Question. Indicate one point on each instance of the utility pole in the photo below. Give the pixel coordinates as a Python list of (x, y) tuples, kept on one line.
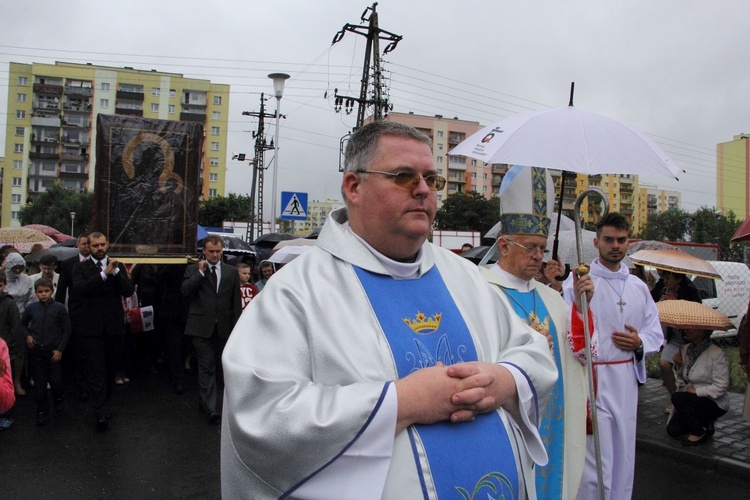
[(376, 100), (256, 190)]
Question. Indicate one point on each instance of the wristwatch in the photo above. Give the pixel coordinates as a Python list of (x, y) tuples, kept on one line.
[(639, 352)]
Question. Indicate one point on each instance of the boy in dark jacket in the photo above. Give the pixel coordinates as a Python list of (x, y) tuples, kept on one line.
[(49, 331)]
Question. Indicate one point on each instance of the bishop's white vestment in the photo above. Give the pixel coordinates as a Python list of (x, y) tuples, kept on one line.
[(620, 298), (564, 428), (309, 407)]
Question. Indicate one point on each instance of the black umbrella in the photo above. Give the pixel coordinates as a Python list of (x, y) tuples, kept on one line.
[(232, 245), (477, 253), (61, 252), (313, 235), (269, 240)]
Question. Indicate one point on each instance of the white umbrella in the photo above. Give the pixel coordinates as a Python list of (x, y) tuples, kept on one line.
[(285, 255)]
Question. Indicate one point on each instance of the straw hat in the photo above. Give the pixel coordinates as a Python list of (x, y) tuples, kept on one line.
[(688, 314)]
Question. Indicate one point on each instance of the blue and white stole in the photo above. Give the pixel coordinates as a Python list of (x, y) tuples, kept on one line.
[(549, 479), (423, 325)]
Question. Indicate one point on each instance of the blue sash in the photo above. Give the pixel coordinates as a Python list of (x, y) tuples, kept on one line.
[(552, 424), (423, 326)]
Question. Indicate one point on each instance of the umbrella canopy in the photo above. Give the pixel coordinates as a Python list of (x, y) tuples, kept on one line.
[(48, 230), (569, 139), (477, 253), (285, 255), (567, 250), (269, 240), (675, 261), (61, 253), (23, 239), (232, 245), (313, 235), (297, 242), (742, 233), (650, 245), (688, 314)]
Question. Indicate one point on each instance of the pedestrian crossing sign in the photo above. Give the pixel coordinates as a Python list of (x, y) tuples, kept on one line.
[(293, 206)]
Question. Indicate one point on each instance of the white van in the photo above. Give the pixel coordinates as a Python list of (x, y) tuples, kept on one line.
[(729, 295)]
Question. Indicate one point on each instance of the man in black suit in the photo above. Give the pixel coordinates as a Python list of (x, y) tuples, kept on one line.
[(101, 282), (212, 288), (74, 361)]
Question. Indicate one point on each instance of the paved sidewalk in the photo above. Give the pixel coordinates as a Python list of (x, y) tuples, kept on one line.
[(728, 452)]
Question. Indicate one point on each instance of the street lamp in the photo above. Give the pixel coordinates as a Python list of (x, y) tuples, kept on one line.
[(278, 91), (72, 223)]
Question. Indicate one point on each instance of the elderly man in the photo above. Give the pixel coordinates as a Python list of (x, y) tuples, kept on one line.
[(378, 365), (627, 322), (522, 246)]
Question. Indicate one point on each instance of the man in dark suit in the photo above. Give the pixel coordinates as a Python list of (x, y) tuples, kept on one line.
[(212, 288), (101, 282), (74, 361)]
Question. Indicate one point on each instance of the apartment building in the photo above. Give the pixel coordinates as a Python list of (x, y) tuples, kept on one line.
[(51, 131), (733, 176), (317, 213)]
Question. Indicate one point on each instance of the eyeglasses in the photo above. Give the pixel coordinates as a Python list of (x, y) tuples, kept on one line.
[(529, 250), (408, 180)]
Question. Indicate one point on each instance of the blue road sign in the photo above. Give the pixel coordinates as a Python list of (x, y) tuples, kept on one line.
[(293, 206)]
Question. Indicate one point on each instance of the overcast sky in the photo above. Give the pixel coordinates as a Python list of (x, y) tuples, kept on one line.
[(674, 69)]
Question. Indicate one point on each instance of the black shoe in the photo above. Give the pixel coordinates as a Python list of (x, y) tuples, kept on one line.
[(178, 389), (214, 418), (42, 418), (710, 428), (688, 442)]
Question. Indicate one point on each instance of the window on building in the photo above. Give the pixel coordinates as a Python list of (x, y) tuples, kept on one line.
[(212, 193), (17, 164), (474, 187), (21, 97), (214, 146), (440, 147), (440, 159), (473, 163), (105, 86), (484, 189), (18, 148), (154, 107), (49, 167), (23, 81), (213, 177), (155, 91), (19, 131), (14, 215), (440, 171), (440, 133), (217, 100), (473, 175), (21, 114), (214, 130), (214, 162), (606, 184), (216, 115), (484, 176), (104, 103), (15, 198), (170, 108), (17, 181), (172, 93)]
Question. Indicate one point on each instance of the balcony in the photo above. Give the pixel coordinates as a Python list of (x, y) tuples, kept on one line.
[(77, 124), (187, 116), (128, 111), (497, 180), (130, 96), (457, 164), (44, 105), (48, 89), (73, 157), (45, 121), (73, 175), (77, 107), (35, 155), (626, 179), (46, 139), (73, 90)]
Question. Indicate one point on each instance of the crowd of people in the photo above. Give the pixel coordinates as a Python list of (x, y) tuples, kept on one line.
[(378, 365), (70, 329)]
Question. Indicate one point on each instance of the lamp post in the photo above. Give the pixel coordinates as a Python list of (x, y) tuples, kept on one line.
[(72, 223), (278, 91)]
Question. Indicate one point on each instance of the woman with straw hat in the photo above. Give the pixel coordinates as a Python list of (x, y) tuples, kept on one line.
[(703, 368)]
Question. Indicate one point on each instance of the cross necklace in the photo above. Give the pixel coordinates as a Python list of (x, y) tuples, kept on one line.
[(620, 302)]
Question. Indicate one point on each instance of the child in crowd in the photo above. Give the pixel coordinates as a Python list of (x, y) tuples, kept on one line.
[(247, 289), (10, 334), (7, 391), (49, 331)]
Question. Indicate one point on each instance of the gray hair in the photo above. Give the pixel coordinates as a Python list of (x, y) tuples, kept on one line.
[(363, 144)]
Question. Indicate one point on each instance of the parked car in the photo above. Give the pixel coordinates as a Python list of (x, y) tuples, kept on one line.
[(729, 295)]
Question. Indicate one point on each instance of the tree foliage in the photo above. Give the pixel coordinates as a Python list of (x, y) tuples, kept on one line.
[(214, 211), (706, 225), (53, 207), (468, 212)]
